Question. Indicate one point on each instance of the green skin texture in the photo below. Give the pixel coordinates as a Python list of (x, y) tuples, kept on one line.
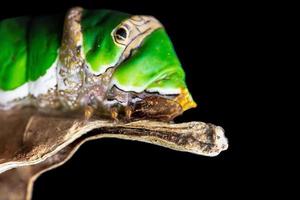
[(99, 48), (154, 65), (13, 60), (31, 47)]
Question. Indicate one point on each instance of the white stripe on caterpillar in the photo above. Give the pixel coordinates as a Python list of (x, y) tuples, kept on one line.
[(40, 86)]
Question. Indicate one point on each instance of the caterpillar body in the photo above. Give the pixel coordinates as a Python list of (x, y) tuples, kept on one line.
[(106, 60)]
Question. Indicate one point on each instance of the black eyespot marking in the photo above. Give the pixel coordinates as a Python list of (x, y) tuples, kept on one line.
[(121, 33), (78, 49)]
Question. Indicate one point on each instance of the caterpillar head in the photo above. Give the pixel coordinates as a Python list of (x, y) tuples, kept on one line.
[(147, 72)]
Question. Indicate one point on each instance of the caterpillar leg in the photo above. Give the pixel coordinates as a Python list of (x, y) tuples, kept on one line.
[(88, 112), (128, 112), (114, 113)]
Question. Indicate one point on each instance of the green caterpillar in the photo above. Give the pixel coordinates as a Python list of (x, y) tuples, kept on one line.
[(101, 59)]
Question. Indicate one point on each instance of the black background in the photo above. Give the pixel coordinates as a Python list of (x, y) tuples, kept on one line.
[(214, 42)]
